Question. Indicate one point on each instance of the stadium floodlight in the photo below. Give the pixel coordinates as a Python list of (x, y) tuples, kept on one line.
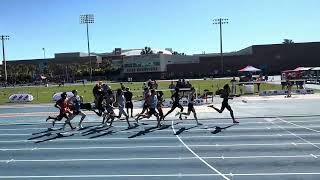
[(221, 21), (4, 38), (88, 19)]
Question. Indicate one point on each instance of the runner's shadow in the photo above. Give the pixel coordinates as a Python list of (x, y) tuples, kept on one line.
[(96, 129), (181, 130), (104, 134), (57, 136), (146, 131), (46, 131), (40, 136), (219, 129)]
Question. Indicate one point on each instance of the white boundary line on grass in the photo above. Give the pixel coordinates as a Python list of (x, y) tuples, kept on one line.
[(195, 154)]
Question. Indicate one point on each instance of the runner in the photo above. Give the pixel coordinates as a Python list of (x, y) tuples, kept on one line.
[(121, 103), (225, 95), (129, 105), (63, 106), (192, 96), (160, 104), (146, 103), (152, 108), (176, 103), (109, 113), (75, 102)]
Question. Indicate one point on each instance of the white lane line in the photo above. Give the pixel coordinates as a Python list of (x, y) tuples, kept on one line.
[(315, 156), (210, 121), (204, 129), (137, 147), (299, 125), (195, 154), (146, 138), (283, 128), (162, 175), (157, 158), (109, 176)]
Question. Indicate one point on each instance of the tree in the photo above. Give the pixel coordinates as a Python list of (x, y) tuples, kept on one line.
[(146, 50), (287, 41)]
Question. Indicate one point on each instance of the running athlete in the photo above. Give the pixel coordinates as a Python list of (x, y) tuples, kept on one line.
[(160, 103), (129, 105), (192, 96), (225, 95), (121, 102), (109, 113), (146, 103), (152, 108), (176, 103), (75, 102), (63, 106)]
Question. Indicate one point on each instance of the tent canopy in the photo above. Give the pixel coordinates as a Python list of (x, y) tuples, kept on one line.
[(249, 69), (302, 69)]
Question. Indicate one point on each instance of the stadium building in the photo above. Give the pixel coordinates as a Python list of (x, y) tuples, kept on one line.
[(164, 64)]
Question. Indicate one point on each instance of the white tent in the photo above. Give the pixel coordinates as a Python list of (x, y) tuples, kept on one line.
[(249, 69)]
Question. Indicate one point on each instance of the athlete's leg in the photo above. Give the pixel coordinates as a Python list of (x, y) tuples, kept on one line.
[(231, 113)]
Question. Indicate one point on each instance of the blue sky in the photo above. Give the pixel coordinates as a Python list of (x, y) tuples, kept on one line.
[(184, 25)]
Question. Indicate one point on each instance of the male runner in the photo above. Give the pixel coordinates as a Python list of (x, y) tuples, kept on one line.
[(121, 103), (152, 108), (75, 102), (176, 103), (65, 112), (192, 96), (129, 105)]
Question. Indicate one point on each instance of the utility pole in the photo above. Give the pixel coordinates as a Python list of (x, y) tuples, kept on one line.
[(88, 19), (3, 38), (221, 21)]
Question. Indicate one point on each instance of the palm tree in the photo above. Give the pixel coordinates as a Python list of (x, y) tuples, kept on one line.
[(287, 41)]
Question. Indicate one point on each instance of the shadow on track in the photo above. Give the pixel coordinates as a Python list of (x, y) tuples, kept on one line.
[(149, 130), (57, 136), (181, 130), (219, 129)]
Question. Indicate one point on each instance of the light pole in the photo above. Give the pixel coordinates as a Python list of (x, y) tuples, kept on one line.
[(3, 38), (44, 53), (88, 19), (221, 21)]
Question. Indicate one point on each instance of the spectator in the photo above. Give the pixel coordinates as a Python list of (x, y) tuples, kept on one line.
[(105, 88), (172, 86), (155, 84), (150, 84), (188, 85), (122, 87), (233, 86)]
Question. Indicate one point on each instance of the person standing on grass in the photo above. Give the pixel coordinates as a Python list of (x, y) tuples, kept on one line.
[(129, 105), (75, 102), (152, 108), (120, 100), (191, 99), (176, 103), (225, 94)]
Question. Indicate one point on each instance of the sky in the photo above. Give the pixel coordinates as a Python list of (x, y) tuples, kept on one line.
[(184, 25)]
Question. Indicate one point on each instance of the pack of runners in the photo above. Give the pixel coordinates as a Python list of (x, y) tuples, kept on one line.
[(105, 102)]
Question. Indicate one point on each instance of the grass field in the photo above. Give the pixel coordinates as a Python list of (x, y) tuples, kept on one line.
[(43, 94)]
